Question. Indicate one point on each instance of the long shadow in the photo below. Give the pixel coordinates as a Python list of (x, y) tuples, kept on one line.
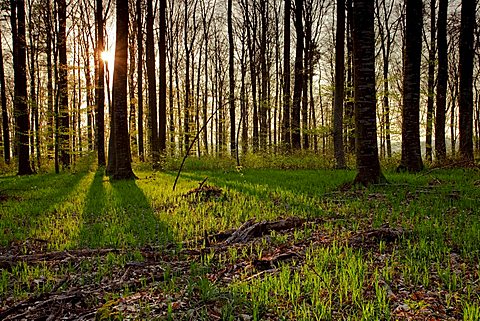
[(32, 200), (118, 214)]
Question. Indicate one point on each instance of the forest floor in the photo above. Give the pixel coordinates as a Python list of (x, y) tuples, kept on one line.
[(240, 244)]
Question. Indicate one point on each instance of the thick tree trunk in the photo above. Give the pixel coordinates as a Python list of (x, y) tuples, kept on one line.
[(442, 80), (368, 165), (466, 81), (20, 92), (339, 86), (411, 154), (123, 167), (64, 118)]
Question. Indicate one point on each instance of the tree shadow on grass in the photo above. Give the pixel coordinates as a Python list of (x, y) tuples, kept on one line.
[(118, 214)]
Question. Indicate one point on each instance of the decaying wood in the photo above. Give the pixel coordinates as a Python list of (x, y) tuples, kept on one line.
[(385, 234), (250, 229)]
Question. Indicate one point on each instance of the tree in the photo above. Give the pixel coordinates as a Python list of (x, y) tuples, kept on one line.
[(20, 107), (152, 88), (286, 76), (3, 93), (100, 86), (442, 81), (123, 167), (231, 75), (466, 79), (298, 84), (411, 154), (63, 117), (431, 83), (339, 86), (141, 151), (368, 164), (162, 80)]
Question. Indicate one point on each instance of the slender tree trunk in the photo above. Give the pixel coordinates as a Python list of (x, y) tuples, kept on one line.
[(162, 80), (100, 87), (298, 85), (141, 150), (286, 130), (349, 106), (339, 86), (131, 84), (431, 83), (231, 75), (263, 67), (466, 80), (368, 164), (411, 154), (442, 81), (48, 48), (5, 123), (152, 88)]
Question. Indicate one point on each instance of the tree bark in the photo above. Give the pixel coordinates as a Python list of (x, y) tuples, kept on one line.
[(141, 150), (368, 165), (465, 103), (431, 83), (339, 86), (442, 82), (20, 92), (286, 130), (162, 80), (411, 154), (231, 75), (123, 167), (298, 84), (100, 87), (5, 124), (64, 117)]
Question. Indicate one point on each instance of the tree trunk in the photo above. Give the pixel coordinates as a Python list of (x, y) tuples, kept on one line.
[(5, 124), (123, 167), (20, 92), (298, 84), (286, 130), (64, 118), (231, 75), (162, 80), (152, 88), (411, 154), (141, 150), (465, 103), (431, 83), (368, 165), (100, 87), (263, 66), (442, 81), (339, 86)]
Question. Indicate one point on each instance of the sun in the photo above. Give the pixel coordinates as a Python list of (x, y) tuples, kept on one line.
[(108, 57)]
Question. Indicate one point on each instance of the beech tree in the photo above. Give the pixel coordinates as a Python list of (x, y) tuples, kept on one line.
[(123, 167), (442, 82), (20, 107), (411, 154), (466, 80), (368, 164), (3, 101)]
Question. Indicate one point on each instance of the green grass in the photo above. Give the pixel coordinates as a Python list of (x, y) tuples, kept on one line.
[(434, 262)]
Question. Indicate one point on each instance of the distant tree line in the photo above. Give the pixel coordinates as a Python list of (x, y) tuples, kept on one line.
[(369, 78)]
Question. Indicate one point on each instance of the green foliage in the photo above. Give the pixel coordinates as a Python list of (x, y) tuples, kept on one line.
[(438, 210)]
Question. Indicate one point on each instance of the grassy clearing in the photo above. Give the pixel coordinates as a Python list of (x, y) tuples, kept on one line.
[(136, 248)]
